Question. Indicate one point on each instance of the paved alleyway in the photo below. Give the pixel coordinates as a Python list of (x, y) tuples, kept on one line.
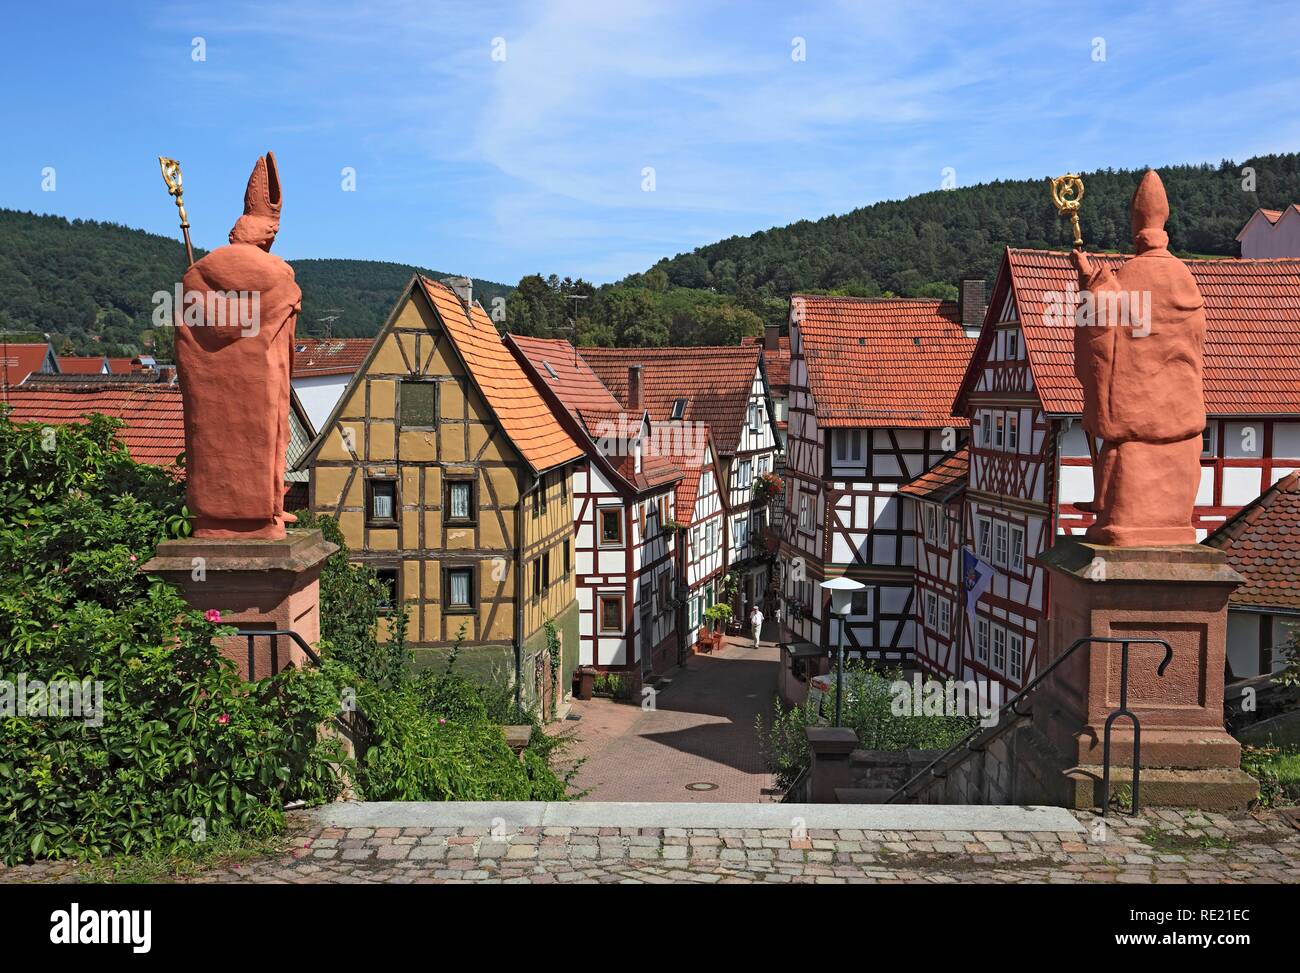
[(701, 731)]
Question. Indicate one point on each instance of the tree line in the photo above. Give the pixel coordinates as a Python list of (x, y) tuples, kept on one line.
[(90, 284)]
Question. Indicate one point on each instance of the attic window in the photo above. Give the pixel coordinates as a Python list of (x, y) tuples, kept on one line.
[(862, 341), (299, 349), (679, 408), (550, 371), (917, 342)]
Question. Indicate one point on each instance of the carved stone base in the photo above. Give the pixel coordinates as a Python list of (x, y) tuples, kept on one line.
[(1179, 594), (258, 583)]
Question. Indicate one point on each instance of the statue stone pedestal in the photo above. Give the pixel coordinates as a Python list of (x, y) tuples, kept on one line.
[(1179, 594), (255, 584)]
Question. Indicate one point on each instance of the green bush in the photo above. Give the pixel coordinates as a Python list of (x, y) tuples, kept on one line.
[(439, 738), (350, 603), (868, 711), (181, 746)]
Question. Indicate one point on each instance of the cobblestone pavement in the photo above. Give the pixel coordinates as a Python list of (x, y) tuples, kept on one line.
[(1162, 846), (701, 731)]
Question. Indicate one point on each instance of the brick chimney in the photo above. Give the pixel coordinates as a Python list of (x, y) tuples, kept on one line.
[(971, 303), (772, 337), (634, 388), (464, 288)]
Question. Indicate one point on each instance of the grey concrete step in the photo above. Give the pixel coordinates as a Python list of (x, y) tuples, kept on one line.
[(597, 814), (863, 795)]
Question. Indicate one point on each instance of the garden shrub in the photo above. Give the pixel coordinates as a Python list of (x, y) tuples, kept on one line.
[(350, 602), (181, 747), (438, 738), (868, 702)]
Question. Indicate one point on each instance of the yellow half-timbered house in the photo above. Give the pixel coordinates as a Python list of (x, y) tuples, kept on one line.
[(450, 477)]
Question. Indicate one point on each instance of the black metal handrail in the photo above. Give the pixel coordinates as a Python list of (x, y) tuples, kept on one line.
[(274, 633), (1010, 707)]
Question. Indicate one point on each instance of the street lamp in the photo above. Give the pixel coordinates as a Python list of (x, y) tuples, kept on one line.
[(841, 590)]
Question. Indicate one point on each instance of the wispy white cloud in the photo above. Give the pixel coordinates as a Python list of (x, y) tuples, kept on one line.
[(499, 168)]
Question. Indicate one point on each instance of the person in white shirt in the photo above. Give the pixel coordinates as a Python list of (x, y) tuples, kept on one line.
[(756, 623)]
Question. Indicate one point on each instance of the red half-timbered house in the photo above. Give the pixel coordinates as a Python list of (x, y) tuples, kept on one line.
[(701, 520), (871, 386), (725, 389), (937, 496), (1030, 462), (624, 500)]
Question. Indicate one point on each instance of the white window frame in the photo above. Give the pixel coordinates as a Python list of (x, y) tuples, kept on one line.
[(1012, 345), (943, 529), (740, 532), (1015, 656), (984, 537), (999, 427), (931, 611), (930, 528), (1016, 553), (805, 512), (986, 429), (1013, 431), (945, 617), (999, 648), (982, 640), (1001, 543)]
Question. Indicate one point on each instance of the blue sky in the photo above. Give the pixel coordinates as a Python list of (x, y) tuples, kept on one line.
[(534, 163)]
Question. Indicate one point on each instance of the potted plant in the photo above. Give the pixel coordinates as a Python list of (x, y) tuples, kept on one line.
[(717, 616), (584, 678)]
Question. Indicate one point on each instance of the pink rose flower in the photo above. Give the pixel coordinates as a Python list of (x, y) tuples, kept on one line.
[(223, 719), (213, 616)]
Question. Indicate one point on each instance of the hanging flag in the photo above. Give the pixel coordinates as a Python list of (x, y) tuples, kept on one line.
[(976, 576)]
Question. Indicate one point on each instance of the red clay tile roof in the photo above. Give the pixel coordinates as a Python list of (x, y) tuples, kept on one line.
[(518, 406), (882, 361), (19, 361), (154, 431), (715, 381), (569, 377), (943, 481), (329, 356), (123, 366), (679, 443), (585, 397), (1262, 542), (70, 365), (777, 363), (1252, 346)]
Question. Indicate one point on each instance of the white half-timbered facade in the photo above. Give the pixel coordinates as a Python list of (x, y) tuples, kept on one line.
[(725, 389), (701, 524), (624, 506), (1030, 462), (870, 410)]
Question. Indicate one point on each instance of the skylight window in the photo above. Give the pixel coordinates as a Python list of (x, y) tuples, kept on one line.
[(550, 371), (679, 408)]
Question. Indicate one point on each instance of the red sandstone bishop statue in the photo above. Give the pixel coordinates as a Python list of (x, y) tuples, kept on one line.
[(1139, 356), (234, 346)]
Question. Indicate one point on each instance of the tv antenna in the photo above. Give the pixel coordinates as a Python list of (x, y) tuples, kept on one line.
[(332, 314), (573, 322)]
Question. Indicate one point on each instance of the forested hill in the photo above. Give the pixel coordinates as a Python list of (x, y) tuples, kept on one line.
[(902, 246), (81, 278), (77, 278)]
